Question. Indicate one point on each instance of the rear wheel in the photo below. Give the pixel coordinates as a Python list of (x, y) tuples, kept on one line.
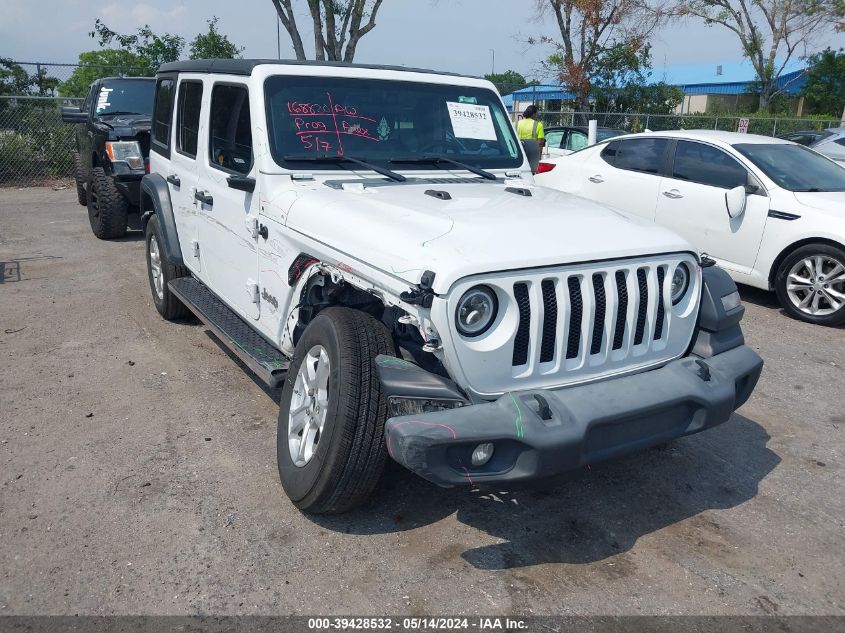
[(810, 284), (162, 271), (80, 176), (108, 210), (330, 441)]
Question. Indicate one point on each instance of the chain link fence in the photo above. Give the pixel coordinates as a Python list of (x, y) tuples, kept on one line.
[(640, 122), (35, 146)]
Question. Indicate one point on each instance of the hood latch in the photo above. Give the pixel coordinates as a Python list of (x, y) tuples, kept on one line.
[(422, 294)]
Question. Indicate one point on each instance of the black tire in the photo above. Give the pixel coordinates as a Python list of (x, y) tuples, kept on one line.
[(80, 176), (349, 458), (167, 304), (829, 253), (108, 210)]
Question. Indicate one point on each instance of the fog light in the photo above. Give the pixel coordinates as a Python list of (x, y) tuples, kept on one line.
[(731, 301), (415, 406), (482, 454)]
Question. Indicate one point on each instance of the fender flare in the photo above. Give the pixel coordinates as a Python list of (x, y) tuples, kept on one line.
[(155, 198)]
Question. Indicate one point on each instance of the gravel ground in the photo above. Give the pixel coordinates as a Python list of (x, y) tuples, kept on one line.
[(138, 472)]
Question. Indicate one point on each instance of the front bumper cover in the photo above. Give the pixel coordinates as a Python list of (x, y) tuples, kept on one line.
[(588, 423)]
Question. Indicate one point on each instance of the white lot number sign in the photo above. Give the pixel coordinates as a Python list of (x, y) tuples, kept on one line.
[(471, 121), (742, 128)]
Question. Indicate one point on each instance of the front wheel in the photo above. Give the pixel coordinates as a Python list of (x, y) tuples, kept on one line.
[(161, 271), (330, 440), (80, 177), (810, 284), (108, 210)]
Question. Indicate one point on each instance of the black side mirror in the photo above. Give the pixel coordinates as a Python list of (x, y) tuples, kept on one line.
[(73, 115), (241, 183)]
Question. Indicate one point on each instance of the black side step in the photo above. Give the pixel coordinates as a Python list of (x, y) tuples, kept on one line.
[(255, 351)]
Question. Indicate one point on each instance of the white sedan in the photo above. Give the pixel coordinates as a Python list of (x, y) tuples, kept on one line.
[(771, 212)]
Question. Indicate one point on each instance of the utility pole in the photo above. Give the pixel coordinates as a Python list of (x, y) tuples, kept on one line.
[(493, 66), (278, 37)]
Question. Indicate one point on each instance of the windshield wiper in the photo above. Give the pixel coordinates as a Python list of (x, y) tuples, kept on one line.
[(437, 159), (348, 159)]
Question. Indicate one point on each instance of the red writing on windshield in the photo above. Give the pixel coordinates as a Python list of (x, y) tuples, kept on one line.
[(316, 123)]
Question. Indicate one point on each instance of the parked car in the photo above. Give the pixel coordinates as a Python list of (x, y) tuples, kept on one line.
[(112, 147), (567, 139), (830, 142), (768, 210), (369, 238)]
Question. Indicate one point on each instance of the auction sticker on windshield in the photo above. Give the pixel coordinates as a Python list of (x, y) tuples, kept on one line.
[(471, 121)]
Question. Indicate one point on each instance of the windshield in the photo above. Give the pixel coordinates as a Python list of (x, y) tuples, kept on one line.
[(794, 167), (125, 96), (603, 135), (380, 121)]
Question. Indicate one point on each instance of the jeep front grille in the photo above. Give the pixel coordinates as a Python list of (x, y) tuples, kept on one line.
[(578, 323)]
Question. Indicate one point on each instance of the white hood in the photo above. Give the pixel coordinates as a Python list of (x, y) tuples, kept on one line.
[(401, 230), (823, 200)]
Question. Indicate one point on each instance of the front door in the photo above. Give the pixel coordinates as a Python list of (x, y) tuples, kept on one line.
[(228, 217), (692, 203)]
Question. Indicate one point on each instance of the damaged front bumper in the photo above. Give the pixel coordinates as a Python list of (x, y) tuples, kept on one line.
[(541, 433)]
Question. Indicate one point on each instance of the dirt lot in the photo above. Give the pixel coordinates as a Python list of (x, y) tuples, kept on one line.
[(138, 472)]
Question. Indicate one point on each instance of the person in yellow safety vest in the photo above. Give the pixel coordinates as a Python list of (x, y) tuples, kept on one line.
[(531, 134)]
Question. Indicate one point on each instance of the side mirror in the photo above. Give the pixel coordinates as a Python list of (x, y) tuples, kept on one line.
[(73, 115), (241, 183), (735, 200)]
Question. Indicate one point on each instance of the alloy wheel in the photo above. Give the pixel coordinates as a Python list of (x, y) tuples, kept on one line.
[(309, 405)]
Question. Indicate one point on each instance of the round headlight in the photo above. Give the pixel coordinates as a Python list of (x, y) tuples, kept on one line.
[(680, 283), (476, 311)]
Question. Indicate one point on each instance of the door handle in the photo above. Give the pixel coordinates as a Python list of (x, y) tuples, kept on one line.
[(596, 179), (203, 198), (173, 179), (674, 194)]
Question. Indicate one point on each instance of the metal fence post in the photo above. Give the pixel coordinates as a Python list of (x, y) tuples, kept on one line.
[(775, 128), (646, 121), (716, 124)]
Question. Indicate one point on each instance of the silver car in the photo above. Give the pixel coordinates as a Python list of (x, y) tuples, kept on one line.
[(830, 142)]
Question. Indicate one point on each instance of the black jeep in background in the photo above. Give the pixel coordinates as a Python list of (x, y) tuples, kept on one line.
[(112, 150)]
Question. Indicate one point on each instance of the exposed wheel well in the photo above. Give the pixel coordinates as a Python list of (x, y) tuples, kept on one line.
[(792, 248)]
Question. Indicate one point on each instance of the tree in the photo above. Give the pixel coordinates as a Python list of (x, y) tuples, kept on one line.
[(154, 49), (338, 26), (620, 83), (824, 92), (770, 32), (509, 81), (590, 30), (214, 45), (15, 81), (106, 62)]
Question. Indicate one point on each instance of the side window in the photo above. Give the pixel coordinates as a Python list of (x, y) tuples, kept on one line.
[(230, 134), (707, 165), (840, 141), (86, 105), (609, 152), (554, 138), (641, 154), (577, 140), (188, 117), (162, 113)]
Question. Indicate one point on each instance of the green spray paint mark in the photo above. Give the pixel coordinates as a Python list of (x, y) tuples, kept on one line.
[(520, 432)]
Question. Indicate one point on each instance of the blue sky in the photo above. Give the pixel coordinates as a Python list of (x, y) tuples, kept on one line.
[(453, 35)]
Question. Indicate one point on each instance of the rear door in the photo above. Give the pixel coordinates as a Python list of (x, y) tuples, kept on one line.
[(626, 174), (228, 217), (692, 203)]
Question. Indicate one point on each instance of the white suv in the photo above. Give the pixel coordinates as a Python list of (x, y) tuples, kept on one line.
[(370, 239)]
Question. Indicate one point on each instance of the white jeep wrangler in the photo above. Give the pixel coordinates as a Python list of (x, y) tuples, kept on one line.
[(370, 239)]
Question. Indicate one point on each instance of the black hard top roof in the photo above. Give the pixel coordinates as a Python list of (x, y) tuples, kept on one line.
[(246, 66)]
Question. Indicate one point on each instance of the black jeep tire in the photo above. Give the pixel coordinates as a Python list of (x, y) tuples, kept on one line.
[(80, 176), (831, 257), (108, 210), (349, 451), (165, 301)]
